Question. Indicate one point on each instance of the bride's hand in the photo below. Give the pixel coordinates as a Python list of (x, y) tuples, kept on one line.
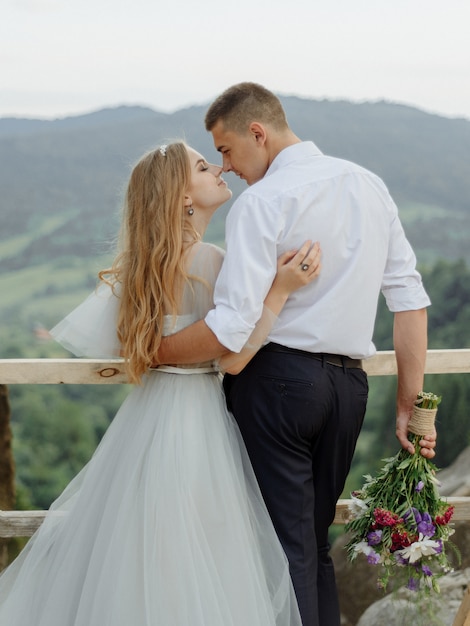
[(297, 268)]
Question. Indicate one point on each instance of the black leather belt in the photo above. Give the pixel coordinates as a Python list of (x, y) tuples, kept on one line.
[(332, 359)]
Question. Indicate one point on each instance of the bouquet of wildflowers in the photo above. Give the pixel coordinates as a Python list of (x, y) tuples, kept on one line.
[(398, 520)]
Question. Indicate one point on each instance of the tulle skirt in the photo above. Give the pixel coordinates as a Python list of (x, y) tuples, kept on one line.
[(165, 526)]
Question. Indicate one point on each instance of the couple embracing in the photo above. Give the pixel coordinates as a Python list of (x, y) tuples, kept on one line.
[(204, 507)]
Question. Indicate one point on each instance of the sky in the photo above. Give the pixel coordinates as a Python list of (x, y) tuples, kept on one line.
[(69, 57)]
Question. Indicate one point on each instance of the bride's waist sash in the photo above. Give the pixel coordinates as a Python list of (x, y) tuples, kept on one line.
[(170, 369)]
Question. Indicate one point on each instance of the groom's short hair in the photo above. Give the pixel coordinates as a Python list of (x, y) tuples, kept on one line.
[(244, 103)]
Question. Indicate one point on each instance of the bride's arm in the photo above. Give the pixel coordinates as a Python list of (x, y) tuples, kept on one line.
[(289, 277), (197, 343)]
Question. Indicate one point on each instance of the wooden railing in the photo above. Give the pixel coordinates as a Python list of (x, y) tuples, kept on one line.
[(111, 371)]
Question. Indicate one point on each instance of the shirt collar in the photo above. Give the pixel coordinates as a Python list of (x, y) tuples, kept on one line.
[(293, 153)]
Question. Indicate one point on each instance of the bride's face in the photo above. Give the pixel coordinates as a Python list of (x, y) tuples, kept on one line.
[(207, 189)]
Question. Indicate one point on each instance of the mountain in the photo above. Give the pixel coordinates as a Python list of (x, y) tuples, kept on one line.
[(77, 166), (62, 181)]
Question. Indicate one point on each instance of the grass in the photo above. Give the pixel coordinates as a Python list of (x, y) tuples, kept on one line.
[(13, 247)]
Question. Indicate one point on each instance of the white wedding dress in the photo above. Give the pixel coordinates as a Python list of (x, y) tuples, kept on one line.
[(165, 526)]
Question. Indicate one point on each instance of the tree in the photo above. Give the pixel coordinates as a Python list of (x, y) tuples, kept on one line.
[(7, 468)]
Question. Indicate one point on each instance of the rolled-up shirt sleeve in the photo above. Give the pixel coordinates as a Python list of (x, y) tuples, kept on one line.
[(247, 272), (402, 284)]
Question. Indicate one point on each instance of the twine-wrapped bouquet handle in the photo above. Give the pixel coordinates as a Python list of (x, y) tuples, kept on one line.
[(423, 418)]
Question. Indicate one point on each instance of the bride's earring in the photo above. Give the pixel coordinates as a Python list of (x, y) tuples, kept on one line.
[(190, 210)]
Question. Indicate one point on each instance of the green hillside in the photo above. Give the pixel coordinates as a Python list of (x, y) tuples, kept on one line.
[(62, 183)]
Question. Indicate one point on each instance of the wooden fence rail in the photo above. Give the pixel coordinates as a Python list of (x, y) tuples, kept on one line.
[(111, 371), (25, 523)]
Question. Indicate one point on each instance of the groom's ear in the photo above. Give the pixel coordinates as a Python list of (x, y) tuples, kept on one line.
[(258, 132)]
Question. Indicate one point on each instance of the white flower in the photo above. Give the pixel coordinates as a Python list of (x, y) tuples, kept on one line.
[(362, 547), (422, 547), (357, 507)]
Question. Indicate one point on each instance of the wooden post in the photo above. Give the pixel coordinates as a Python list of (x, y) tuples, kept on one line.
[(7, 468), (463, 615)]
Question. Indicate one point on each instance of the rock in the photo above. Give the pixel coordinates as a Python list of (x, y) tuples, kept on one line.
[(402, 608), (455, 480)]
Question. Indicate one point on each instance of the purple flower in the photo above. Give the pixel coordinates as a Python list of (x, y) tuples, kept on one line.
[(425, 525), (419, 486), (426, 571), (413, 584), (438, 548), (373, 558), (414, 514), (374, 537), (423, 522), (400, 559)]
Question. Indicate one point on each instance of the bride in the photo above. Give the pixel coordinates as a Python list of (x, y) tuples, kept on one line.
[(165, 525)]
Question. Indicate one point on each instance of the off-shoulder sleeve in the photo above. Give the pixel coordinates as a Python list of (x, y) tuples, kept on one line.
[(90, 329)]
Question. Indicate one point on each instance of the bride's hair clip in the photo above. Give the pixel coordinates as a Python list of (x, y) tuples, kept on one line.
[(162, 149)]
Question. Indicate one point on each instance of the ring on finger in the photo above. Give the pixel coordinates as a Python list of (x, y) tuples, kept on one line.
[(305, 267)]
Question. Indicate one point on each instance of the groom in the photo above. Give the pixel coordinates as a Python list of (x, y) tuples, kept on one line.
[(300, 402)]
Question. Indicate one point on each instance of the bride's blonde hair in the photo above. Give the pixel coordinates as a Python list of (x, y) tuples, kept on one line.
[(149, 268)]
